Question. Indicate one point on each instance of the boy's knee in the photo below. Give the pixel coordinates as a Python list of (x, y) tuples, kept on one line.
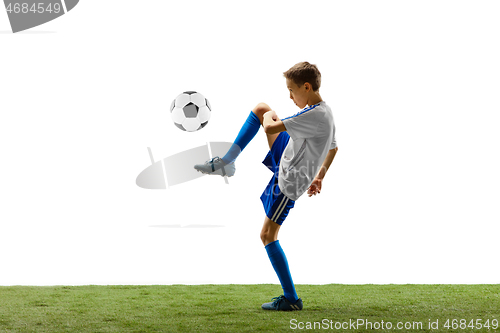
[(266, 237), (260, 109), (262, 236)]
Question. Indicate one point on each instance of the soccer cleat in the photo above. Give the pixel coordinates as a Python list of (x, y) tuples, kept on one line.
[(282, 304), (216, 167)]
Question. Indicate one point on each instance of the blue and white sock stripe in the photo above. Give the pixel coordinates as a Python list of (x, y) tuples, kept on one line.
[(302, 112), (280, 208)]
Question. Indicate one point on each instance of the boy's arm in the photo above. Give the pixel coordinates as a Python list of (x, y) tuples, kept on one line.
[(271, 123), (316, 184)]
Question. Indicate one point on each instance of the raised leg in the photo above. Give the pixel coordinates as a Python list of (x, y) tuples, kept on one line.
[(259, 111)]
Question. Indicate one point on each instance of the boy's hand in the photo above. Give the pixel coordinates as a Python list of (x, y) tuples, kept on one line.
[(315, 187), (272, 123), (271, 114)]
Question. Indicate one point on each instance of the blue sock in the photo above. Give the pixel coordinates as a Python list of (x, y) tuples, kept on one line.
[(280, 264), (246, 134)]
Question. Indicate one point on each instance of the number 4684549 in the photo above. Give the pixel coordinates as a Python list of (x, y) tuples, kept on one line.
[(36, 8)]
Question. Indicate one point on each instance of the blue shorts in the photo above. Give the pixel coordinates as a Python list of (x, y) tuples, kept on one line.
[(276, 204)]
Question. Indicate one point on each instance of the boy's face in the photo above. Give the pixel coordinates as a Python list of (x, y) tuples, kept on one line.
[(298, 94)]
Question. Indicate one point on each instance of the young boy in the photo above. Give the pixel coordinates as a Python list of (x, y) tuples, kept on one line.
[(302, 147)]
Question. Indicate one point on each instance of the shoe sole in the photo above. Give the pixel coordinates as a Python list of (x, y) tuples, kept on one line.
[(214, 173)]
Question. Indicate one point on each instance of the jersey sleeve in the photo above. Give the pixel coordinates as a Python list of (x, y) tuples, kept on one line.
[(333, 145), (302, 126)]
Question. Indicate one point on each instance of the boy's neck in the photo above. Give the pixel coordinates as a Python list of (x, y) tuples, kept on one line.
[(315, 98)]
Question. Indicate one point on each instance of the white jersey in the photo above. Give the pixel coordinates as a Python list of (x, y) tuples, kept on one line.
[(312, 135)]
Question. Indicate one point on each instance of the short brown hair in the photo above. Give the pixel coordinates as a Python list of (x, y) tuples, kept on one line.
[(304, 72)]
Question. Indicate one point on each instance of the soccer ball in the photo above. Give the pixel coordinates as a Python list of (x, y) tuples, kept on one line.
[(190, 111)]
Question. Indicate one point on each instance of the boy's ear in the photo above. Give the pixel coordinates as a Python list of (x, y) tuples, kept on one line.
[(308, 86)]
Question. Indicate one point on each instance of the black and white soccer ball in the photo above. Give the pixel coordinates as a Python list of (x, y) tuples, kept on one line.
[(190, 111)]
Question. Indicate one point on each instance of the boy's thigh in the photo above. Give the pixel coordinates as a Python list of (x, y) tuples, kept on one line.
[(259, 111), (271, 138)]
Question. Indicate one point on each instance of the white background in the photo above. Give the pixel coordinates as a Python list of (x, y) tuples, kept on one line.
[(412, 196)]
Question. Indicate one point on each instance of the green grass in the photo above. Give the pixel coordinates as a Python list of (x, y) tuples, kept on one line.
[(236, 308)]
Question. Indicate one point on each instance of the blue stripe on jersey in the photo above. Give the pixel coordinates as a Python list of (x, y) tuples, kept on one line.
[(302, 112)]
